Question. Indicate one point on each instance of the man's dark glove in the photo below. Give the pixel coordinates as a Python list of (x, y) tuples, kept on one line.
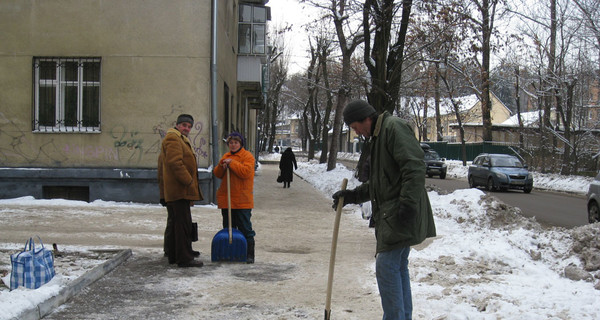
[(349, 197), (163, 202)]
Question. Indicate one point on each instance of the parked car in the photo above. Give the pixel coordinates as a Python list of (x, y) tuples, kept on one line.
[(436, 166), (499, 171), (593, 202)]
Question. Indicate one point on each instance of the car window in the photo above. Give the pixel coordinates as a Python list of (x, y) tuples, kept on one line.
[(485, 161), (506, 162), (431, 155)]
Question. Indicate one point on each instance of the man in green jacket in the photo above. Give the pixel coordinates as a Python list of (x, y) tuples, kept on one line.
[(396, 188)]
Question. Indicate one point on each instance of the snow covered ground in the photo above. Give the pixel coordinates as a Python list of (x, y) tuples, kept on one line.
[(488, 262)]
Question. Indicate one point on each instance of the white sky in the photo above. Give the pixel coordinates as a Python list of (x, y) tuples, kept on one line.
[(291, 12)]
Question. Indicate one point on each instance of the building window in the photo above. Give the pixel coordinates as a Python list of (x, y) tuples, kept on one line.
[(66, 94), (252, 33)]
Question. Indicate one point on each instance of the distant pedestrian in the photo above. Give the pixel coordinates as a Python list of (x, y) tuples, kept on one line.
[(178, 183), (287, 165), (241, 166)]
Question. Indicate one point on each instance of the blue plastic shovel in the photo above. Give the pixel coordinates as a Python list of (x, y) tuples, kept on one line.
[(229, 244)]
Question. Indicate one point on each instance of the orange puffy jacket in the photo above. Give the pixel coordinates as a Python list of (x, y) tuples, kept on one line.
[(241, 171)]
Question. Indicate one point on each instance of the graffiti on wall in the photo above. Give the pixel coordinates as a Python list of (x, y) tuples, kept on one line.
[(199, 143), (128, 142), (121, 145), (15, 146)]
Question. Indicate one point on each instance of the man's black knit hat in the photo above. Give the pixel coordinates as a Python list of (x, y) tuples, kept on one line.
[(185, 118), (357, 110)]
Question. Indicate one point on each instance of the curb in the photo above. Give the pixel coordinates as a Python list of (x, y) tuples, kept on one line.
[(66, 293)]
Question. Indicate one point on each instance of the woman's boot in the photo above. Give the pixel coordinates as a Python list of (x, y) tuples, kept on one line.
[(250, 254)]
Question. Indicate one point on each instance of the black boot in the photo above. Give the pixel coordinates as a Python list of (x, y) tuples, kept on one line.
[(250, 254)]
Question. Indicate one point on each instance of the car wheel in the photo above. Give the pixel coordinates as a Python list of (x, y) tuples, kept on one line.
[(593, 212), (471, 182), (527, 189), (430, 175), (443, 175), (490, 184)]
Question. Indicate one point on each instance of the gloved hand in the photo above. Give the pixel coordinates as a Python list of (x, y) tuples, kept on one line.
[(163, 202), (349, 197)]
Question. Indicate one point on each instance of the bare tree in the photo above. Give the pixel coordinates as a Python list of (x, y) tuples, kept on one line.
[(479, 17), (384, 52), (590, 15), (278, 69), (311, 115), (324, 54), (349, 36)]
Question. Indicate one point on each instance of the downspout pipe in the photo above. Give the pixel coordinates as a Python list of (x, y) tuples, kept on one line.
[(213, 97)]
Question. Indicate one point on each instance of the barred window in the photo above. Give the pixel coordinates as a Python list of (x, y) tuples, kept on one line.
[(66, 94)]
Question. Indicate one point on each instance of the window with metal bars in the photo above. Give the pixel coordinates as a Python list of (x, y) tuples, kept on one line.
[(66, 94)]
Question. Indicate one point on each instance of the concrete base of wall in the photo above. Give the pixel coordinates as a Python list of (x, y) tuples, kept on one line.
[(89, 184)]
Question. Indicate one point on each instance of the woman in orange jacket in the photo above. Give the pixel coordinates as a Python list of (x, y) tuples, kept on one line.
[(241, 169)]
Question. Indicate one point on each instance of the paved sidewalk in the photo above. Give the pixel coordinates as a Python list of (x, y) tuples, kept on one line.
[(288, 281)]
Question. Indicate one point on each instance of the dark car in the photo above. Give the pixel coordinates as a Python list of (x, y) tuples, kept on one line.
[(436, 166), (499, 172), (593, 197)]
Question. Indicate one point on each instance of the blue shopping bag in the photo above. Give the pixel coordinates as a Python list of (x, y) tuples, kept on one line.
[(31, 268)]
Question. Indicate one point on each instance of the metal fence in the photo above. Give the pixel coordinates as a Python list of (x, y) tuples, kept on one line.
[(453, 151)]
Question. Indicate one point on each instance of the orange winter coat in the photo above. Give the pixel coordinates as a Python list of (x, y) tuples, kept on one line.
[(177, 168), (241, 171)]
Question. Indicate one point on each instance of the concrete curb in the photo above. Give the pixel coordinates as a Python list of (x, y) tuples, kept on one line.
[(74, 287)]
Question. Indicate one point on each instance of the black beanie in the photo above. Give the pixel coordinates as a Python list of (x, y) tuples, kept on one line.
[(185, 118), (357, 110)]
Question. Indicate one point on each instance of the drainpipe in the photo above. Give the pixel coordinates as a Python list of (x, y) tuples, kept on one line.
[(213, 97)]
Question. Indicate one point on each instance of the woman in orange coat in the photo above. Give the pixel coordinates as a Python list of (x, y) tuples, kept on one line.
[(241, 170)]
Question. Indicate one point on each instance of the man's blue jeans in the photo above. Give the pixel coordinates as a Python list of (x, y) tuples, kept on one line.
[(393, 280)]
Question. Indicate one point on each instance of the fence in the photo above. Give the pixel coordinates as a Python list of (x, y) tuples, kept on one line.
[(453, 151)]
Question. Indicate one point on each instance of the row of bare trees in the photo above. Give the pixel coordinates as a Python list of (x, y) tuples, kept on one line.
[(536, 56)]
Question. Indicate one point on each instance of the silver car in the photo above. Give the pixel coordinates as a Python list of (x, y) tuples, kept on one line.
[(499, 171), (593, 203)]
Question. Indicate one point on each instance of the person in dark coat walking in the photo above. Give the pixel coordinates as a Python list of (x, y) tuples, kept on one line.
[(287, 165)]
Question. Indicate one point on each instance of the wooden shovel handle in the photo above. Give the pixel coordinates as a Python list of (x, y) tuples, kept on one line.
[(229, 206), (336, 228)]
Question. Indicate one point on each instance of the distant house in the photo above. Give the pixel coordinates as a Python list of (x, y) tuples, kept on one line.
[(469, 109), (288, 133), (89, 89)]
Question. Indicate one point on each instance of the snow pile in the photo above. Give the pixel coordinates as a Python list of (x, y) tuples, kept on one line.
[(489, 262)]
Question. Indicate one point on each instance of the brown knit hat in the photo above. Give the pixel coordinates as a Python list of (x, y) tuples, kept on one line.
[(357, 110)]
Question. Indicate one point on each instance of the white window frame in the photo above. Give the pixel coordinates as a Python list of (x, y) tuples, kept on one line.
[(257, 27), (60, 83)]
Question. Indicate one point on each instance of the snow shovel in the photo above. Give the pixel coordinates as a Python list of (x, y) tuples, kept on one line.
[(229, 244), (336, 228)]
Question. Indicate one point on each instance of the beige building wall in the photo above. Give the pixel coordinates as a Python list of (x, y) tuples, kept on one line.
[(499, 113), (155, 65)]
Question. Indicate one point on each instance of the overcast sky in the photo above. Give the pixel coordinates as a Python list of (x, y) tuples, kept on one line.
[(291, 12)]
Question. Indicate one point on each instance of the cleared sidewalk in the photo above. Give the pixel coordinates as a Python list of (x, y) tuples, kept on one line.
[(288, 281)]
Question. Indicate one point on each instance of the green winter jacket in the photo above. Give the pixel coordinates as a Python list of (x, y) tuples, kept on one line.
[(396, 186)]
